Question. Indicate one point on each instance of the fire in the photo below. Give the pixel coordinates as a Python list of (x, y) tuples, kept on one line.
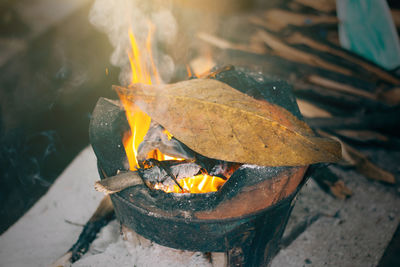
[(143, 70), (201, 66), (197, 184)]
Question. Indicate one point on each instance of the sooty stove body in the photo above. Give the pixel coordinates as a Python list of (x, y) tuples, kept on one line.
[(245, 218)]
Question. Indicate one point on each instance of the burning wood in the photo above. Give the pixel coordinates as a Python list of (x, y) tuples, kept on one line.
[(171, 176), (157, 138), (117, 183), (226, 220)]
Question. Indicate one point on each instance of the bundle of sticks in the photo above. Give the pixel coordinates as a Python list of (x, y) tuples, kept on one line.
[(340, 94)]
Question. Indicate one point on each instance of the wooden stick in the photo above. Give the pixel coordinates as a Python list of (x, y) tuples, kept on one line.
[(333, 98), (363, 136), (367, 168), (392, 96), (101, 217), (361, 162), (298, 38), (324, 82), (277, 19), (118, 183), (311, 111), (225, 44), (385, 121), (285, 51)]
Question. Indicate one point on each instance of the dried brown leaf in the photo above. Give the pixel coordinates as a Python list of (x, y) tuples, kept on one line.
[(218, 121)]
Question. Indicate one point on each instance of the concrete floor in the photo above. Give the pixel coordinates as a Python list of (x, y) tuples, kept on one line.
[(352, 232)]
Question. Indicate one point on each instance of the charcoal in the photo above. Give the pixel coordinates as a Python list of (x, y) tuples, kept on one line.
[(156, 138), (158, 173)]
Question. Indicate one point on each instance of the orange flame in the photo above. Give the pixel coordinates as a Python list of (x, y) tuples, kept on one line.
[(143, 70), (201, 183), (139, 121)]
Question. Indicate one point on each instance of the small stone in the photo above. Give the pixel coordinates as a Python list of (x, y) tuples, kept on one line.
[(307, 261)]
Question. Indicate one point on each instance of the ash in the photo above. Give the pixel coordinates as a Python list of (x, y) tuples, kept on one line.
[(113, 249)]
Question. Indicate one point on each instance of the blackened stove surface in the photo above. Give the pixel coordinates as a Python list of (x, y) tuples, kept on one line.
[(248, 213)]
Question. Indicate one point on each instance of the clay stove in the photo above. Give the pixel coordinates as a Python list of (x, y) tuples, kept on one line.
[(245, 218)]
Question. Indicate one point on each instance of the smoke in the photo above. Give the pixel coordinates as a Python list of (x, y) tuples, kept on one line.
[(117, 17)]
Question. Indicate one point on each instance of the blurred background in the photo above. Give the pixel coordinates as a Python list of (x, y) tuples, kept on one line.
[(52, 70)]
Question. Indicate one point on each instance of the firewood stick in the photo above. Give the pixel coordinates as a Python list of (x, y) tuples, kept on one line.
[(309, 110), (334, 98), (305, 59), (367, 168), (383, 121), (361, 162), (392, 96), (285, 51), (225, 44), (294, 55), (300, 81), (368, 137), (298, 38), (362, 135), (118, 182), (278, 19), (100, 218), (324, 82)]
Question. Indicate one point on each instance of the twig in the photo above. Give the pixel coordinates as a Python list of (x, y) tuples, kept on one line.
[(101, 217), (114, 184), (74, 223)]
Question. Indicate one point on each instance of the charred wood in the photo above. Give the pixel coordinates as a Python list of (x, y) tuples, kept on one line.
[(100, 218), (114, 184), (157, 138), (150, 176)]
